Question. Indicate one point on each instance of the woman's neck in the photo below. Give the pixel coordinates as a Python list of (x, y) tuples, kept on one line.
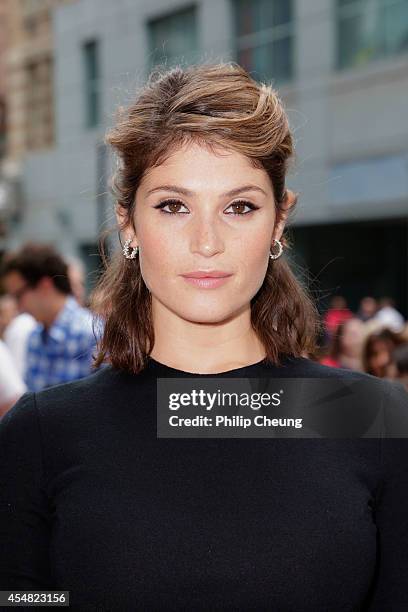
[(205, 348)]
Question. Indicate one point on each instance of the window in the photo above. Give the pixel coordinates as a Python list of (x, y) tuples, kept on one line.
[(39, 127), (264, 36), (370, 29), (173, 38), (90, 52)]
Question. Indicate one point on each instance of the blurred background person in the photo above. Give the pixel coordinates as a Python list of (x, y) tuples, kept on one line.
[(337, 313), (8, 310), (345, 346), (388, 316), (377, 352), (367, 308), (399, 369), (16, 336), (15, 329), (60, 348), (11, 383)]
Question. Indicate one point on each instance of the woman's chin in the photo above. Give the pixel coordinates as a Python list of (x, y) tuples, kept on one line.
[(207, 315)]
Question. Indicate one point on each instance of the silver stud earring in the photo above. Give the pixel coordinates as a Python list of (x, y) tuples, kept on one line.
[(280, 250), (127, 253)]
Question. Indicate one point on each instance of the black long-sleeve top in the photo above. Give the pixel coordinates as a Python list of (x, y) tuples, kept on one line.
[(93, 502)]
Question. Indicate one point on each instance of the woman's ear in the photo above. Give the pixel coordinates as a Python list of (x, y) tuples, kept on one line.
[(124, 224), (282, 213), (121, 216)]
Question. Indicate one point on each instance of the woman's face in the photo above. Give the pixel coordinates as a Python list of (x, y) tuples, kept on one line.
[(187, 220)]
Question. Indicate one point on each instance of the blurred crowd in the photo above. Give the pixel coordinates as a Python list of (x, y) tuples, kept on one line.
[(48, 334), (374, 339)]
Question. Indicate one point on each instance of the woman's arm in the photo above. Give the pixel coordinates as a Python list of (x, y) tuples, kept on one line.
[(24, 509), (391, 583)]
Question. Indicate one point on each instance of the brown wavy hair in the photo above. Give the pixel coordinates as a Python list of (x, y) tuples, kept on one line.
[(214, 105)]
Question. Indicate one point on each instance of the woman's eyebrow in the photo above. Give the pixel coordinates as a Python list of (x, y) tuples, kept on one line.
[(188, 193)]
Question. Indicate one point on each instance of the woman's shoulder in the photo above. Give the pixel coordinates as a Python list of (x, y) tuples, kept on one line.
[(306, 367), (78, 399), (103, 385), (375, 407)]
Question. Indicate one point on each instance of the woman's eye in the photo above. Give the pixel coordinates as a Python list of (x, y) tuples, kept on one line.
[(239, 206), (173, 207), (172, 204)]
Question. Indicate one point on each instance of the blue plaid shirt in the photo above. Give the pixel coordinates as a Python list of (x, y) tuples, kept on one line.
[(63, 352)]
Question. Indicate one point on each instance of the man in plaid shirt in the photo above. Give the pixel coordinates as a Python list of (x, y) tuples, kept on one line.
[(60, 348)]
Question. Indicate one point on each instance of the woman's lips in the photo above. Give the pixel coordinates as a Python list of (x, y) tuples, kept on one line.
[(207, 282)]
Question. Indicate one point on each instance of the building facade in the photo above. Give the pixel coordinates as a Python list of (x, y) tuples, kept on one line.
[(27, 76), (341, 67)]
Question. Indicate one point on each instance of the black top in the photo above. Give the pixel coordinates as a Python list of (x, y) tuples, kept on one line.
[(94, 503)]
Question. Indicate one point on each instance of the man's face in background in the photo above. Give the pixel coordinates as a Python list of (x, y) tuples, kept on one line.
[(28, 299)]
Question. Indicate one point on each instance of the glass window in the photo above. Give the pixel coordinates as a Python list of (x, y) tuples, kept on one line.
[(370, 29), (264, 33), (173, 38), (39, 126), (90, 51)]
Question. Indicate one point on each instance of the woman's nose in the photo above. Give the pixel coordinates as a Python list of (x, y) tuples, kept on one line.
[(206, 238)]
